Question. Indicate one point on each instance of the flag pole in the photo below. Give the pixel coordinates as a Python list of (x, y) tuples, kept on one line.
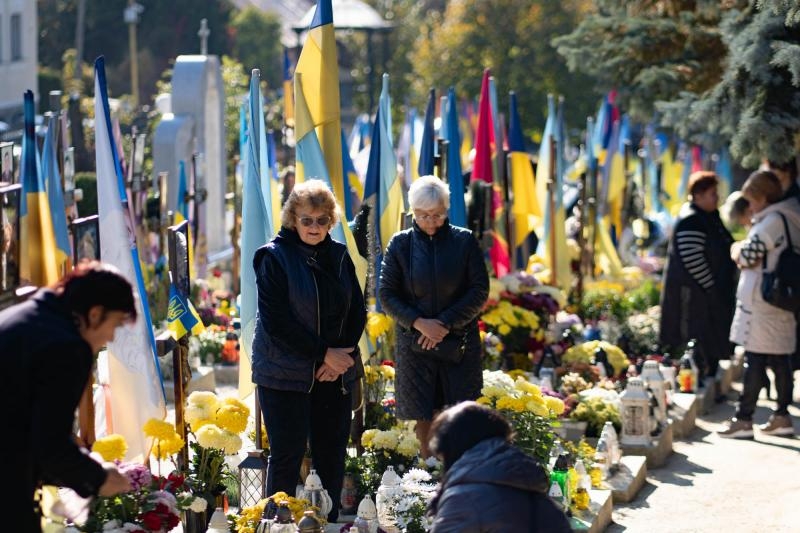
[(551, 199)]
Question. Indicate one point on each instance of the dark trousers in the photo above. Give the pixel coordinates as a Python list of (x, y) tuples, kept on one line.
[(293, 420), (755, 367)]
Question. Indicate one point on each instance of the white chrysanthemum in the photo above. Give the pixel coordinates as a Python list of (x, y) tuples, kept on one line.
[(111, 525), (205, 399), (416, 475), (199, 505), (195, 413), (386, 440)]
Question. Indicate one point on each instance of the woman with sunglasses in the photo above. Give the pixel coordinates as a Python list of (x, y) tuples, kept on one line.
[(311, 315), (434, 284)]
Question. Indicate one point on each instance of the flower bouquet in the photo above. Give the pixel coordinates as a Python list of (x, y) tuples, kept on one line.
[(518, 328), (530, 412), (584, 353), (410, 505), (249, 517), (215, 425), (398, 447), (596, 407), (642, 329), (154, 505)]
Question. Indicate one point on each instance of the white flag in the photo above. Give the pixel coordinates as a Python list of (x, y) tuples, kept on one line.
[(137, 393)]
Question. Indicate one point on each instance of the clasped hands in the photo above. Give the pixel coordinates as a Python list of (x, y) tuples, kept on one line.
[(337, 361), (432, 332)]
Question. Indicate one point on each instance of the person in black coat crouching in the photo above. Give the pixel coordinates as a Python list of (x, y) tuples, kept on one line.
[(489, 485)]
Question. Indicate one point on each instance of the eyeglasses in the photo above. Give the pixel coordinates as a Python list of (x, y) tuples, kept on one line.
[(438, 217), (322, 221)]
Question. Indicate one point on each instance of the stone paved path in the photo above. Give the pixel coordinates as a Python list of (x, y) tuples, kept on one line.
[(711, 484)]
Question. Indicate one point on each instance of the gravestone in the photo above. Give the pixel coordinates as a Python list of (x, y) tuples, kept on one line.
[(193, 122)]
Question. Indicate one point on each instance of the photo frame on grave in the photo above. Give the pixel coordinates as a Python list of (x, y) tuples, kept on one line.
[(10, 198), (178, 245), (86, 239), (7, 162)]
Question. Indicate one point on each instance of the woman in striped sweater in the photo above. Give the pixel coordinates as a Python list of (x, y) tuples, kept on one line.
[(698, 297)]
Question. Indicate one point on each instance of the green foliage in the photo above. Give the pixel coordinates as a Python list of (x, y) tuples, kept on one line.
[(643, 297), (648, 51), (257, 44), (601, 303), (512, 39), (165, 30), (87, 182), (756, 104)]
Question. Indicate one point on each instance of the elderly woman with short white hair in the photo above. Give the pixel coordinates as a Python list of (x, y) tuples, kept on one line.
[(434, 284)]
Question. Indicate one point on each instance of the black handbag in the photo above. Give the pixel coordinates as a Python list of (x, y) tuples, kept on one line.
[(781, 287), (450, 350)]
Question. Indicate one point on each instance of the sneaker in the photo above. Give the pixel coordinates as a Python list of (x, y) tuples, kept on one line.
[(737, 429), (777, 425)]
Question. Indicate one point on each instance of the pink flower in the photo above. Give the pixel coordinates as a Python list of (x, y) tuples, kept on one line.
[(138, 474)]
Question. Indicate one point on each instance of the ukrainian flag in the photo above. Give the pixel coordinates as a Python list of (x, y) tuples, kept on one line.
[(382, 188), (352, 183), (288, 91), (55, 196), (257, 226), (38, 260), (182, 315), (525, 205), (319, 68)]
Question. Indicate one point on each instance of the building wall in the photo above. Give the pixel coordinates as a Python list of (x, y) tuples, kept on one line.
[(17, 74)]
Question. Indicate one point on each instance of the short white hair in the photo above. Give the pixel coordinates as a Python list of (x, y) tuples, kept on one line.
[(428, 192)]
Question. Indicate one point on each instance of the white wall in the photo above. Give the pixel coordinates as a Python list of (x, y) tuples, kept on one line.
[(18, 76)]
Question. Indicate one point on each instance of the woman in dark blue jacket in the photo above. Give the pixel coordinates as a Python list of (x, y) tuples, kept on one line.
[(434, 284), (311, 315), (489, 485)]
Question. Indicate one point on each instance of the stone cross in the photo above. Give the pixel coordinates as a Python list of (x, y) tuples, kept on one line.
[(203, 33)]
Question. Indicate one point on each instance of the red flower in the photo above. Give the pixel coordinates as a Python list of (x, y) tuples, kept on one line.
[(176, 480), (172, 521), (162, 509), (388, 363), (151, 521)]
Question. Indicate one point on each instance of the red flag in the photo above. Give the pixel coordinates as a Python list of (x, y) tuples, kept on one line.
[(484, 137)]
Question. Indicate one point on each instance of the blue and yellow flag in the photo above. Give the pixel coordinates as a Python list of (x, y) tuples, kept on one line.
[(182, 315), (257, 226), (525, 206), (352, 186), (55, 196), (288, 90), (38, 258), (319, 67)]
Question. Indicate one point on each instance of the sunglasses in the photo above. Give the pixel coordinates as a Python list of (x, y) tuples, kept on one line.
[(322, 221)]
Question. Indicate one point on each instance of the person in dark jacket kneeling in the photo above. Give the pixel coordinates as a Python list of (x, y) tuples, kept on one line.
[(311, 315), (489, 485), (434, 284)]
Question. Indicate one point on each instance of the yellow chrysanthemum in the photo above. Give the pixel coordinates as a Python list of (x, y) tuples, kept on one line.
[(506, 402), (555, 405), (197, 424), (210, 436), (504, 329), (483, 400), (387, 371), (527, 387), (164, 448), (493, 392), (233, 417), (111, 447), (158, 429), (539, 409), (231, 442), (377, 324), (408, 446)]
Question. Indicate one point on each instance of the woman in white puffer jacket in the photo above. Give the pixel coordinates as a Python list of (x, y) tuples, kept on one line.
[(766, 332)]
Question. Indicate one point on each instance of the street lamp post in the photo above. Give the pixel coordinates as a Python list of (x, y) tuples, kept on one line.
[(131, 17)]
